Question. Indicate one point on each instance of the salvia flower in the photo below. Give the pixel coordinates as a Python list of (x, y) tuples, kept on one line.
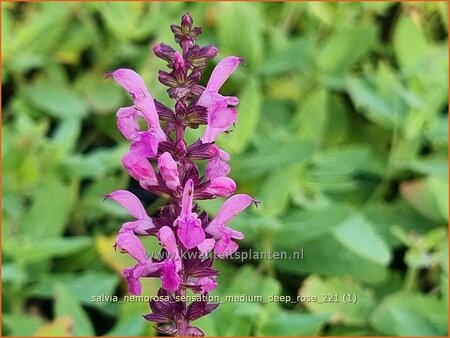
[(160, 159)]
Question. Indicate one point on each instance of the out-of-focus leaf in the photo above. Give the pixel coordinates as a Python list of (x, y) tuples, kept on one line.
[(343, 160), (95, 164), (49, 212), (102, 95), (345, 48), (260, 162), (67, 305), (246, 43), (360, 236), (326, 256), (56, 101), (294, 55), (67, 133), (61, 326), (21, 324), (308, 224), (130, 321), (35, 250), (410, 44), (387, 215), (286, 323), (428, 196), (403, 314), (83, 286), (13, 273), (371, 104), (275, 191), (311, 118), (344, 299), (247, 311)]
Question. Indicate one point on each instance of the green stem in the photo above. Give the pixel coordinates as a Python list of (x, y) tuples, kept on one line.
[(411, 280)]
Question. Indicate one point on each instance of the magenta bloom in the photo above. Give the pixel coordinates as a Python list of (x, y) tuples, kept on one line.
[(190, 231), (163, 163)]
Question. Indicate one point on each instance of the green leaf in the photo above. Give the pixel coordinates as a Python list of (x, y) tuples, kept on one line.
[(344, 299), (83, 286), (67, 305), (385, 216), (21, 324), (308, 225), (359, 236), (429, 196), (410, 44), (326, 256), (242, 314), (403, 314), (246, 43), (67, 133), (344, 48), (311, 118), (248, 117), (371, 103), (294, 55), (288, 323), (130, 321), (35, 250), (102, 96), (260, 162), (341, 160), (275, 191), (56, 101), (49, 212)]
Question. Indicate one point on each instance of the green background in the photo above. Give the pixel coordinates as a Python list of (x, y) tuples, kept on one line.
[(342, 134)]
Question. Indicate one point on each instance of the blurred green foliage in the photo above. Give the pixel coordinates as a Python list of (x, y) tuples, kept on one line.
[(342, 134)]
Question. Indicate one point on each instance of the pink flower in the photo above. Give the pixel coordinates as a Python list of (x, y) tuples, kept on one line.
[(171, 267), (145, 142), (190, 231), (127, 242), (140, 169), (225, 235), (169, 171), (220, 115), (207, 284), (135, 208), (218, 166), (221, 187)]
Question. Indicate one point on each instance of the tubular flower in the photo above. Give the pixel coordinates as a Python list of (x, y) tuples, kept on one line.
[(163, 163)]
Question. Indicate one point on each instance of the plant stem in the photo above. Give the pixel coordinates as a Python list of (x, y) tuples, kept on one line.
[(411, 280)]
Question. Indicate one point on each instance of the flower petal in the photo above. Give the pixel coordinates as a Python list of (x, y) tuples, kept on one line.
[(134, 285), (132, 245), (232, 207), (188, 196), (207, 284), (130, 202), (221, 186), (169, 276), (222, 72), (146, 145), (225, 246), (220, 117), (127, 123), (139, 168), (169, 170), (216, 167), (206, 246), (133, 83), (190, 232), (168, 241)]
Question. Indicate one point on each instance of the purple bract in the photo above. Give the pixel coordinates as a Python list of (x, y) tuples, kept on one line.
[(162, 162)]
